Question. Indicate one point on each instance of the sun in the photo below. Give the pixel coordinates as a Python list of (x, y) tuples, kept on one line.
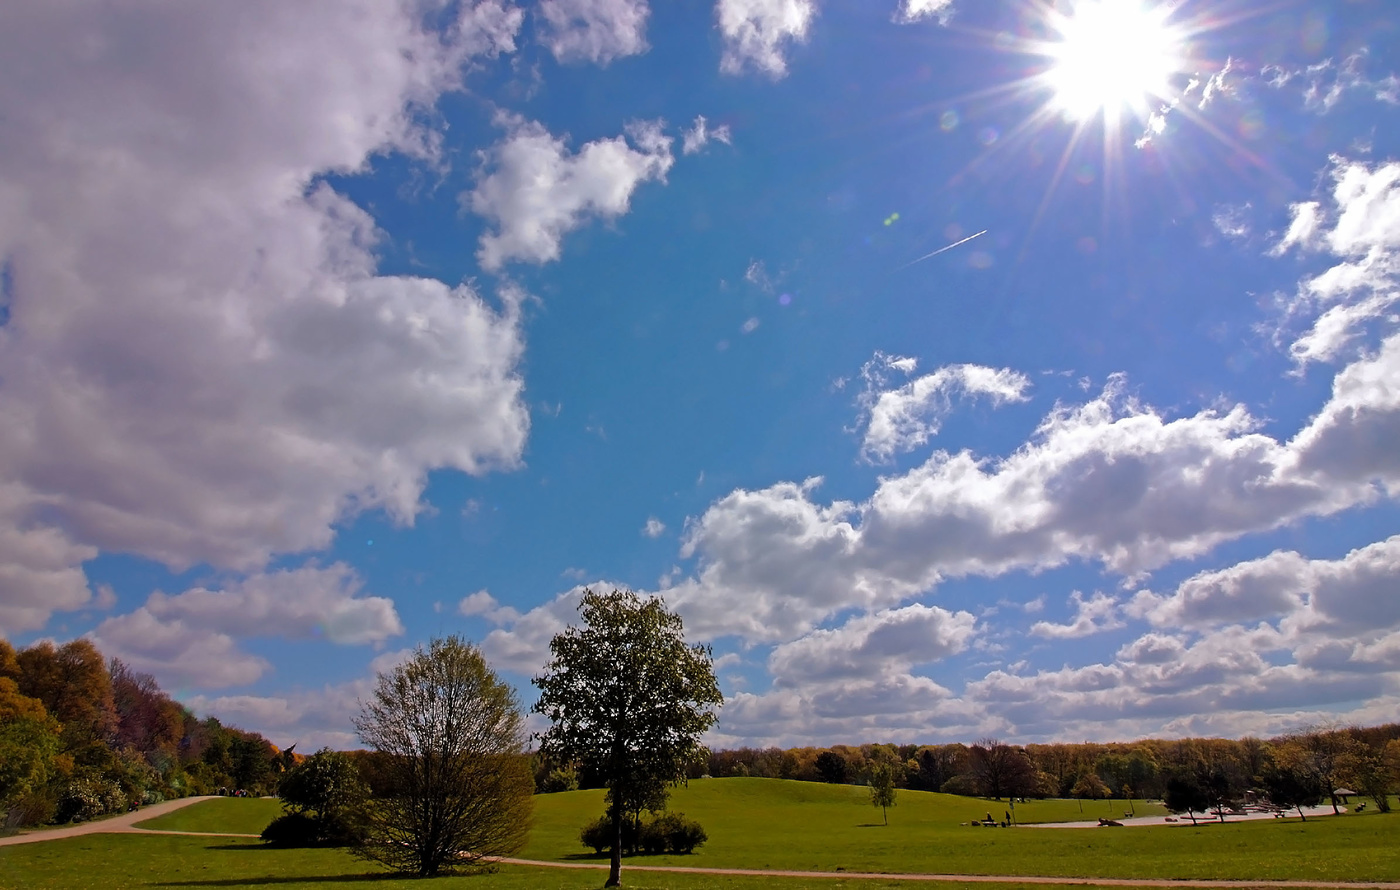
[(1112, 56)]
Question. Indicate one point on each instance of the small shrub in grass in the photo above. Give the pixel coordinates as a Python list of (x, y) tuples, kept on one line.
[(673, 833), (668, 833), (292, 830), (598, 835)]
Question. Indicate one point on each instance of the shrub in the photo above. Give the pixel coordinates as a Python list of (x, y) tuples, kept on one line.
[(292, 830), (668, 833), (598, 835), (672, 833), (960, 784)]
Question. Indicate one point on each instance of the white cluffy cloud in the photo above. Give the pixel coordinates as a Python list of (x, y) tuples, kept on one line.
[(1096, 614), (534, 191), (654, 527), (1359, 222), (1353, 594), (200, 363), (189, 638), (596, 31), (918, 10), (905, 418), (757, 33), (699, 135)]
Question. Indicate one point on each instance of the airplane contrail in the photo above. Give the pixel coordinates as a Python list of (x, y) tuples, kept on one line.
[(944, 248)]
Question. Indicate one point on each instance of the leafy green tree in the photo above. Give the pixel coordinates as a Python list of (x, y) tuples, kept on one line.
[(1090, 786), (1186, 794), (1290, 781), (882, 788), (832, 766), (325, 790), (460, 784), (29, 741), (628, 699)]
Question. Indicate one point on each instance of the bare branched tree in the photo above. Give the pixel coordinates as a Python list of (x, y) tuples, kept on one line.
[(459, 786)]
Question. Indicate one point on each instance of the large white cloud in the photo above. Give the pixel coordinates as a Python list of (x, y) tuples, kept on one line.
[(534, 191), (593, 30), (872, 645), (757, 33), (199, 363), (189, 638)]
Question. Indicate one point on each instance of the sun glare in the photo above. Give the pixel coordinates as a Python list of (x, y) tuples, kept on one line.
[(1112, 56)]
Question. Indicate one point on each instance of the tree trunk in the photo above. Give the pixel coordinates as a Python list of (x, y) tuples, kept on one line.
[(1335, 811), (1300, 813), (615, 869), (885, 814), (1190, 813)]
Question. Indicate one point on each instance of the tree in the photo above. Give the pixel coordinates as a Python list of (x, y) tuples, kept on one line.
[(1000, 769), (1090, 786), (832, 766), (1290, 782), (324, 794), (451, 734), (28, 744), (627, 699), (1186, 794), (882, 788), (72, 682)]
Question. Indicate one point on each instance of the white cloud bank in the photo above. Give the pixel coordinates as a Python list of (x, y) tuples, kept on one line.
[(199, 362)]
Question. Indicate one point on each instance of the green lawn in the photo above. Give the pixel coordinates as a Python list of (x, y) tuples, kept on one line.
[(772, 824), (235, 815), (121, 862), (752, 823)]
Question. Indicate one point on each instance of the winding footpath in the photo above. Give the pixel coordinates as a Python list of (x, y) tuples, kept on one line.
[(126, 824)]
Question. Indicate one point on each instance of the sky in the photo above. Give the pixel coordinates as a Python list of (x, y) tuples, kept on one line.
[(954, 368)]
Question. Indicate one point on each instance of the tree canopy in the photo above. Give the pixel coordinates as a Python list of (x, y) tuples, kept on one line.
[(628, 699), (459, 782)]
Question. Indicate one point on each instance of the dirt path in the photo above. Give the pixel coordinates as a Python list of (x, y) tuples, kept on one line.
[(122, 824)]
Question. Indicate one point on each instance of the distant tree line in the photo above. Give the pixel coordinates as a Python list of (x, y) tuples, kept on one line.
[(1304, 767), (81, 737)]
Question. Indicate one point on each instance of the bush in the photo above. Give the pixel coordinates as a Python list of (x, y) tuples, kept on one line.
[(668, 833), (300, 829), (672, 833), (86, 799), (292, 830), (960, 785)]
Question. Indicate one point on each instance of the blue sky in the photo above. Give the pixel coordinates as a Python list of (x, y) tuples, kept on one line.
[(955, 369)]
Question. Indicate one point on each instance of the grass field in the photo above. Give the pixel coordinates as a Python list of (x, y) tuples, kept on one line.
[(772, 824), (752, 823), (126, 862), (234, 815)]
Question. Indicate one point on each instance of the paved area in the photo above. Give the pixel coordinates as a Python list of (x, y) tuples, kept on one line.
[(1137, 821)]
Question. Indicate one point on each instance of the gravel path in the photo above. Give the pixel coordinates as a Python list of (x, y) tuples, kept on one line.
[(122, 824)]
